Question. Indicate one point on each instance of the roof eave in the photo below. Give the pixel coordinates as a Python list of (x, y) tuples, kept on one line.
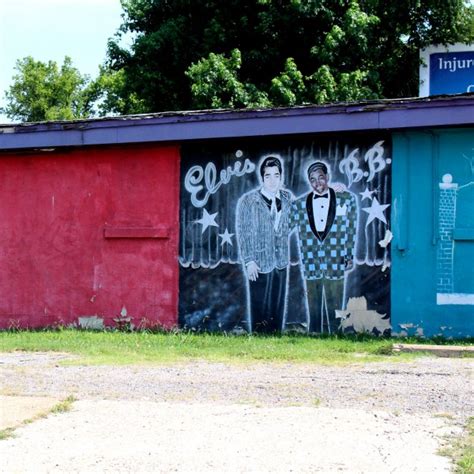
[(395, 114)]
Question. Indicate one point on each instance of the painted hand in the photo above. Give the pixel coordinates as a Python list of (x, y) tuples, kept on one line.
[(252, 271)]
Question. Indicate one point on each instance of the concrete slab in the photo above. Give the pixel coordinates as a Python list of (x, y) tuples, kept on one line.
[(438, 350), (99, 436), (14, 410)]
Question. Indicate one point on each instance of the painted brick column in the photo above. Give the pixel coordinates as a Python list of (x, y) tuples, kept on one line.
[(447, 216)]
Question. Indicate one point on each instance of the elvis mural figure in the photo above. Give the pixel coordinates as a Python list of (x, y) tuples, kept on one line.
[(326, 223), (262, 226)]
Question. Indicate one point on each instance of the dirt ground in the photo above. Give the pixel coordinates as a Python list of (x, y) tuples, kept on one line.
[(213, 417)]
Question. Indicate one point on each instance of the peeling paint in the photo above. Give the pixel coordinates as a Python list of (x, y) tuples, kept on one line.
[(410, 329), (97, 274), (362, 319), (91, 322), (446, 328), (387, 239)]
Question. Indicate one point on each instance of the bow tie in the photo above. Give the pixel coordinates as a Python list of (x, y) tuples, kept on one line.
[(317, 196)]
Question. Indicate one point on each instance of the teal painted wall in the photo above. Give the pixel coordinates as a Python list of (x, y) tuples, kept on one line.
[(432, 290)]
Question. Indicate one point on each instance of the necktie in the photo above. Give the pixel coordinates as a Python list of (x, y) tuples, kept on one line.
[(273, 209), (317, 196)]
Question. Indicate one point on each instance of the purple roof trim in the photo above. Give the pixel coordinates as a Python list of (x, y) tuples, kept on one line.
[(194, 125)]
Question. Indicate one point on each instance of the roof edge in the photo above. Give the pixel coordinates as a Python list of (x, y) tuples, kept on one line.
[(451, 110)]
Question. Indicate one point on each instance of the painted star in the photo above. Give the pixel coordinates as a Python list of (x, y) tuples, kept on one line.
[(366, 194), (375, 211), (207, 220), (226, 238)]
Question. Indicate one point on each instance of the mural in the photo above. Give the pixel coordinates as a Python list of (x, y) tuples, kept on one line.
[(292, 235), (455, 283)]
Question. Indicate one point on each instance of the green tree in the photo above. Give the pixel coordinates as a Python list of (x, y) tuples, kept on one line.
[(215, 84), (109, 92), (45, 91), (238, 53)]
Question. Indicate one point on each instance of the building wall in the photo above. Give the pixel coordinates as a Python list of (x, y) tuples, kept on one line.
[(341, 282), (90, 234), (87, 235), (433, 221)]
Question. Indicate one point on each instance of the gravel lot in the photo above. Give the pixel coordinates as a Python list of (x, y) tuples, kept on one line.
[(213, 417)]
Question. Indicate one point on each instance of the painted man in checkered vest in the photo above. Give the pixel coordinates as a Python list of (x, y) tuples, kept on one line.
[(326, 223)]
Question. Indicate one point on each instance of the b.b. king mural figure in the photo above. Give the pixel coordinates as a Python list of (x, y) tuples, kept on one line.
[(262, 225), (326, 223)]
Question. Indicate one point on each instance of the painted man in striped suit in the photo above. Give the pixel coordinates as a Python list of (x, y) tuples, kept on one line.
[(326, 223), (262, 232)]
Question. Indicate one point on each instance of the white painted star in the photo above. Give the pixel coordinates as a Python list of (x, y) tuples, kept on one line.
[(207, 220), (226, 237), (366, 194), (375, 211)]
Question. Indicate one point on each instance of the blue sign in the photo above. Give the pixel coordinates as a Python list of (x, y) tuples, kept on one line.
[(447, 69)]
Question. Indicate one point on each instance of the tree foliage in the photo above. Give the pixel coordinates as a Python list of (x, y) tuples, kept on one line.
[(46, 91), (188, 54), (250, 53), (109, 91), (215, 83)]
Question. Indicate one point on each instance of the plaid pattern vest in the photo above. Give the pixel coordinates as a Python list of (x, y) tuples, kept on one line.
[(324, 254)]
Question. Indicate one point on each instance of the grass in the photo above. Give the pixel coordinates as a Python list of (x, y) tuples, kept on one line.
[(6, 433), (461, 450), (119, 348), (61, 407)]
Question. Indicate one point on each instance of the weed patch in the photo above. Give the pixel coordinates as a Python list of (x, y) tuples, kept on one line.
[(461, 450), (64, 406), (7, 433)]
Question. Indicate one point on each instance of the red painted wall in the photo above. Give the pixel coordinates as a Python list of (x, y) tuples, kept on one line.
[(78, 235)]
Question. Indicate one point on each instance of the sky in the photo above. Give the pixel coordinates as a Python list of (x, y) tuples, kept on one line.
[(52, 29)]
